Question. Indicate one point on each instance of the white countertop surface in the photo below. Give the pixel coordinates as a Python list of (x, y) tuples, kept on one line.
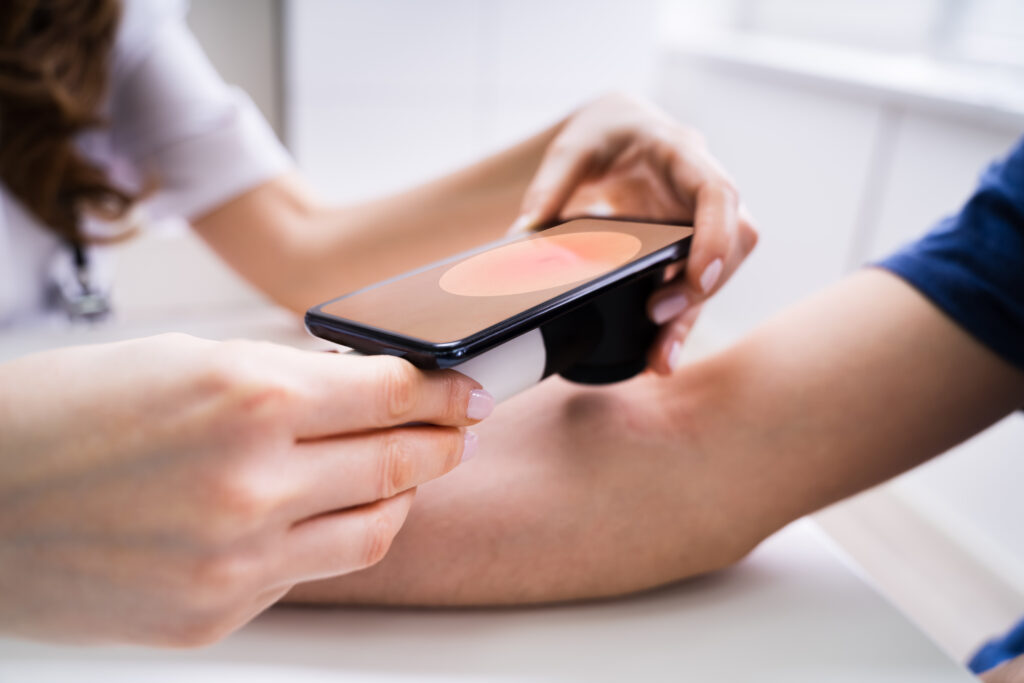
[(795, 610)]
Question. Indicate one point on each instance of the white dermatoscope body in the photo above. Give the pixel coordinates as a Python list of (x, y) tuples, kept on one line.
[(506, 370)]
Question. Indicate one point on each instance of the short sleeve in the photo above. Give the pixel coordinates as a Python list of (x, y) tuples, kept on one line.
[(972, 264), (196, 140)]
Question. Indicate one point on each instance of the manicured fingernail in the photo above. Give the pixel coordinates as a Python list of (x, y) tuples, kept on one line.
[(710, 275), (668, 308), (481, 404), (523, 224), (675, 355), (470, 446)]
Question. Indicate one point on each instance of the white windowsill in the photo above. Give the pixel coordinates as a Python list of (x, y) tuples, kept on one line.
[(987, 95)]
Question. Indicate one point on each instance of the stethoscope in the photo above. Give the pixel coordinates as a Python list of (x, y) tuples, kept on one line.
[(79, 288), (80, 297)]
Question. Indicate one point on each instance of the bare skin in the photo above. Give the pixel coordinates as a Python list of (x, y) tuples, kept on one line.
[(581, 492)]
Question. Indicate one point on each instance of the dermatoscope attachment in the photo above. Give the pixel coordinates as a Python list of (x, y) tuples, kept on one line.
[(619, 332), (600, 342)]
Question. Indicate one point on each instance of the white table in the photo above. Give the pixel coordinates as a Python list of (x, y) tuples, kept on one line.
[(795, 610)]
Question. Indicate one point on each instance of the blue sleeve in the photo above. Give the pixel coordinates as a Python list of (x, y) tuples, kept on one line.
[(971, 265), (998, 650)]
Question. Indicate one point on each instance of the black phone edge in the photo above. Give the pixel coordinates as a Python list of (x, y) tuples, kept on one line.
[(447, 354)]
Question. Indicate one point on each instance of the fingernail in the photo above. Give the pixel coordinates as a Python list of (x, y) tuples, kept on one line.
[(481, 404), (710, 275), (668, 308), (675, 355), (522, 224), (470, 446)]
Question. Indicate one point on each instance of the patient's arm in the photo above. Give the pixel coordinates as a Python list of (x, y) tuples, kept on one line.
[(582, 492)]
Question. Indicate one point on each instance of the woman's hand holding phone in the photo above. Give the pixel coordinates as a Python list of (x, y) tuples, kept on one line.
[(622, 157), (166, 490)]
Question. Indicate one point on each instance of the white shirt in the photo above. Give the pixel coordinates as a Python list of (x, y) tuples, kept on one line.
[(173, 122)]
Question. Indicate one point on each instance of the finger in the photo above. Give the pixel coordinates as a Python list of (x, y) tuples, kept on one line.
[(675, 270), (678, 294), (342, 542), (747, 234), (346, 393), (561, 171), (666, 354), (671, 300), (676, 304), (715, 227), (630, 187), (332, 474)]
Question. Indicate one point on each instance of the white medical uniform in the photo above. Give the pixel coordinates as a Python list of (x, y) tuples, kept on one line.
[(172, 122)]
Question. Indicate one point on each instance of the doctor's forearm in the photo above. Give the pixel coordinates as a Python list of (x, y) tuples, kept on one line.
[(580, 492), (301, 252)]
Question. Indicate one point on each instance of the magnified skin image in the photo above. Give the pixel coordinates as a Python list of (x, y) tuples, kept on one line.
[(541, 263)]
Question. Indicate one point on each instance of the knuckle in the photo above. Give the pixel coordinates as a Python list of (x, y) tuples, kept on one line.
[(661, 148), (380, 532), (175, 339), (243, 507), (454, 442), (727, 188), (691, 137), (664, 155), (456, 392), (197, 633), (218, 577), (397, 463), (563, 147), (263, 397), (242, 502), (245, 388), (399, 382), (226, 362), (751, 236)]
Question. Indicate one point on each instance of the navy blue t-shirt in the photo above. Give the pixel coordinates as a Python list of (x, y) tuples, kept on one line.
[(971, 265)]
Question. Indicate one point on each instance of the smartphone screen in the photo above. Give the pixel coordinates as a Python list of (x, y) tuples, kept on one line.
[(498, 288)]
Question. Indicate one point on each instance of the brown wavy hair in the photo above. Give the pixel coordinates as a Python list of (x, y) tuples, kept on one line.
[(54, 67)]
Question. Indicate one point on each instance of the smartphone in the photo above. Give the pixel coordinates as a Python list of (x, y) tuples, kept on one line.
[(446, 313)]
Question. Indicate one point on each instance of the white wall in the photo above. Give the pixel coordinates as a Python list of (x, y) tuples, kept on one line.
[(388, 93), (243, 40)]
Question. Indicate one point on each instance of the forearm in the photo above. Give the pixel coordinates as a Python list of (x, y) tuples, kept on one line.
[(581, 492), (300, 251), (559, 505)]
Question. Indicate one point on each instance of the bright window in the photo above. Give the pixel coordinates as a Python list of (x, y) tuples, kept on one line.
[(982, 32)]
